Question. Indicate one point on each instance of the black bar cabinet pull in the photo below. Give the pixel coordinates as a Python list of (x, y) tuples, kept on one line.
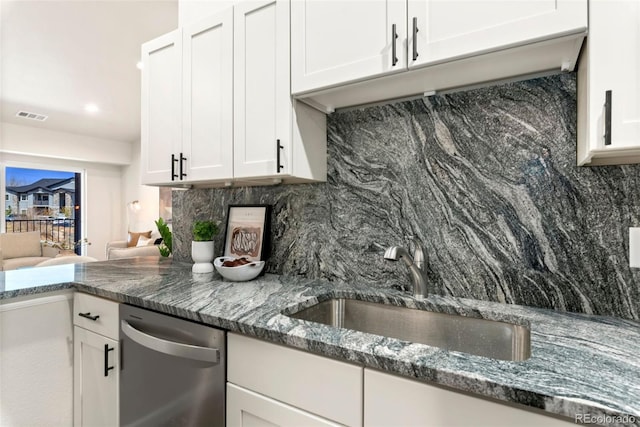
[(394, 37), (607, 118), (415, 38), (173, 167), (107, 368), (279, 165), (88, 315), (182, 159)]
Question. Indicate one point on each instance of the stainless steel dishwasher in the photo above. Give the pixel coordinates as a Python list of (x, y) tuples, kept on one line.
[(172, 371)]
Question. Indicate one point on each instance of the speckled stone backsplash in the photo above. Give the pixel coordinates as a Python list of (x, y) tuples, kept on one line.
[(485, 178)]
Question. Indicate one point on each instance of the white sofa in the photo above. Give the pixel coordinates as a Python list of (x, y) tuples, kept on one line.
[(118, 249), (19, 250)]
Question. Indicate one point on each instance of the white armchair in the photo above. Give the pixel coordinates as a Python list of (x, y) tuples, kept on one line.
[(118, 249)]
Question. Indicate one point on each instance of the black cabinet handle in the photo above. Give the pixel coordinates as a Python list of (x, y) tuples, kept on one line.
[(415, 38), (173, 167), (88, 315), (394, 37), (107, 368), (278, 164), (607, 118), (182, 160)]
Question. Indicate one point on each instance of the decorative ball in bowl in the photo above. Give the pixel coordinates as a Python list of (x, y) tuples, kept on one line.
[(238, 269)]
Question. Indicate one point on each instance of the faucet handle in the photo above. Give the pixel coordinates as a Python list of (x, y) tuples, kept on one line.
[(419, 258)]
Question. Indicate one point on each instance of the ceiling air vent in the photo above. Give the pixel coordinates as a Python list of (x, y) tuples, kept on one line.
[(32, 116)]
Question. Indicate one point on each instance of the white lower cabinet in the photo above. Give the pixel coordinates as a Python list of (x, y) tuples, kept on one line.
[(96, 364), (390, 400), (36, 360), (273, 385), (95, 378), (280, 385), (248, 409)]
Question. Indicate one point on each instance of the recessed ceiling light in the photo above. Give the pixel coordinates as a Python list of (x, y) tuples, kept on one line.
[(139, 65), (91, 108)]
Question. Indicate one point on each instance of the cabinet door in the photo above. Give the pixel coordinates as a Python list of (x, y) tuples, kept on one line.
[(615, 65), (248, 409), (36, 360), (391, 400), (160, 118), (262, 103), (445, 30), (316, 384), (95, 386), (335, 42), (207, 137)]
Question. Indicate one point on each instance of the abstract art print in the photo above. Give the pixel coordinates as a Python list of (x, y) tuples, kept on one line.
[(247, 232)]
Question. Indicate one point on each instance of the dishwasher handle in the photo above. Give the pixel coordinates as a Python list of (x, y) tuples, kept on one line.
[(186, 351)]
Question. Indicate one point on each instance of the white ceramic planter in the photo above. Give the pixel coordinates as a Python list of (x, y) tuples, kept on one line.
[(202, 255)]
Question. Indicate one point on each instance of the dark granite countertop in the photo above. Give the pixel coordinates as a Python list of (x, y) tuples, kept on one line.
[(579, 364)]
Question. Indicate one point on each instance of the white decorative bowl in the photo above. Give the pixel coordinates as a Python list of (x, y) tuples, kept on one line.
[(241, 273)]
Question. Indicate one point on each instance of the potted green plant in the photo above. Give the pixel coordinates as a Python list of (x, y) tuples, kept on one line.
[(167, 245), (202, 246)]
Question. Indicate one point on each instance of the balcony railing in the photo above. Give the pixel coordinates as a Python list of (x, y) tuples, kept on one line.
[(53, 230)]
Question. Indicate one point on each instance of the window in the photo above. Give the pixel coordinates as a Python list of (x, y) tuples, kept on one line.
[(6, 197), (42, 199), (33, 203)]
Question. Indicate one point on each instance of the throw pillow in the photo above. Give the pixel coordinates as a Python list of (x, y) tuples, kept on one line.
[(143, 241), (133, 236)]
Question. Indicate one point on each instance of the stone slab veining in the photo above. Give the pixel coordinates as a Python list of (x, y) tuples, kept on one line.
[(486, 178), (580, 364)]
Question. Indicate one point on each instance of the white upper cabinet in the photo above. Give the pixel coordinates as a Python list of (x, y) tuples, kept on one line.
[(274, 137), (187, 102), (262, 101), (442, 30), (343, 52), (207, 99), (227, 79), (338, 41), (609, 125), (161, 101)]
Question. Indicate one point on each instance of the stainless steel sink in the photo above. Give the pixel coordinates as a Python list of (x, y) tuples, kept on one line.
[(481, 337)]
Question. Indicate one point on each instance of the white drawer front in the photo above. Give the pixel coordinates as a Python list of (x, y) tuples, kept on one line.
[(87, 307), (322, 386)]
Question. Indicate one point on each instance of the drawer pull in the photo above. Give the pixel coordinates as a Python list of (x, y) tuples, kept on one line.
[(394, 36), (182, 160), (107, 368), (173, 167), (607, 118), (415, 38), (279, 147), (88, 315)]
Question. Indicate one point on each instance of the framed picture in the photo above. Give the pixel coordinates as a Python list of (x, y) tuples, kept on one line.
[(248, 232)]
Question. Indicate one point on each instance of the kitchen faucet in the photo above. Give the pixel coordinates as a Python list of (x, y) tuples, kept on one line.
[(416, 265)]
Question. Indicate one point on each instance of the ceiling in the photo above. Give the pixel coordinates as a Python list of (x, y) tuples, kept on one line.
[(58, 56)]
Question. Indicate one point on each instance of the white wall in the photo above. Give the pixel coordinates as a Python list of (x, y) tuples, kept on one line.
[(27, 140), (147, 196), (190, 11)]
